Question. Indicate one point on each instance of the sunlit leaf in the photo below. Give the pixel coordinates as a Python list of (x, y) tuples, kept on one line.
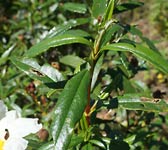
[(75, 7), (98, 143), (60, 29), (69, 109), (45, 73), (59, 40), (34, 144), (87, 146), (135, 31), (71, 60), (97, 70), (75, 140), (110, 33), (136, 102), (5, 55), (80, 33), (109, 11), (145, 53), (47, 146), (98, 8)]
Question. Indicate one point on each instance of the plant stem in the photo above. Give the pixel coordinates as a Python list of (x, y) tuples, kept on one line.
[(93, 59)]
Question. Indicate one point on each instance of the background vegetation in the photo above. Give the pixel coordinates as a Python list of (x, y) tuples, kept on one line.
[(128, 95)]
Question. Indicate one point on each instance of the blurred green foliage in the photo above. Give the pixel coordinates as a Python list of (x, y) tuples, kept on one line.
[(161, 17)]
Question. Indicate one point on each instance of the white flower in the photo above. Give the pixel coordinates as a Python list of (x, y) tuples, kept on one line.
[(13, 128)]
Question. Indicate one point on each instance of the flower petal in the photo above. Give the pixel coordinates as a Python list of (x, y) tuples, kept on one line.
[(22, 127), (10, 117), (15, 144), (3, 109)]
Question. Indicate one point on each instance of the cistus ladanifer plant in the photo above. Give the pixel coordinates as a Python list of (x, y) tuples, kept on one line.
[(85, 64)]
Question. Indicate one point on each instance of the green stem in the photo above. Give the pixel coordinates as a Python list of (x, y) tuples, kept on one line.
[(93, 59), (99, 38)]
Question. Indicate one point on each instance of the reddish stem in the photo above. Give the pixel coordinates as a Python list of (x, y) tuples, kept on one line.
[(87, 109)]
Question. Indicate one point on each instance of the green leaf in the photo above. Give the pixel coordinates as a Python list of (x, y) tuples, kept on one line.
[(75, 140), (80, 33), (128, 87), (109, 11), (60, 29), (96, 71), (47, 146), (130, 139), (59, 40), (5, 55), (145, 53), (98, 143), (98, 8), (127, 6), (45, 73), (135, 31), (136, 102), (87, 146), (34, 144), (69, 109), (75, 7), (110, 32), (71, 60)]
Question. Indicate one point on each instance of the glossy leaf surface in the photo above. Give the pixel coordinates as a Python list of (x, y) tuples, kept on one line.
[(109, 11), (80, 33), (60, 29), (110, 33), (75, 140), (135, 102), (59, 40), (98, 8), (75, 7), (141, 51), (69, 109), (71, 60), (45, 73), (47, 146), (97, 71)]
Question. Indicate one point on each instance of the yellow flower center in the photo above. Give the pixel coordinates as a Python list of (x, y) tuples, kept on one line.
[(2, 144)]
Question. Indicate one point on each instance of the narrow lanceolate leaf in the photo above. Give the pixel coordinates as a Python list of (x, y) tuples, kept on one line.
[(98, 8), (60, 29), (75, 140), (59, 40), (75, 7), (136, 102), (78, 32), (47, 146), (145, 53), (5, 55), (109, 11), (71, 60), (45, 73), (69, 109), (127, 6), (97, 71)]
